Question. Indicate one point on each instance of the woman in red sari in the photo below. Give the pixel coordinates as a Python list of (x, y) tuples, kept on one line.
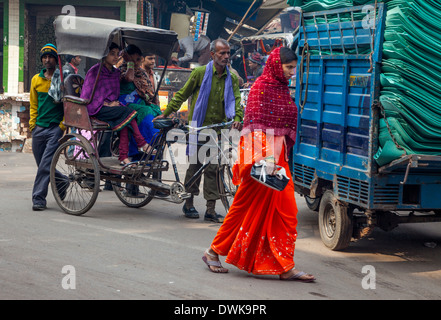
[(259, 231)]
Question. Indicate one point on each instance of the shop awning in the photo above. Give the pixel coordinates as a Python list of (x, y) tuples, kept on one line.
[(266, 10)]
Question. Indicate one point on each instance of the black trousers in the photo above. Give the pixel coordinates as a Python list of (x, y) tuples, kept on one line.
[(44, 145)]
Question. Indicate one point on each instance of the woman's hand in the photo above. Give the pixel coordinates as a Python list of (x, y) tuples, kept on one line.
[(130, 72), (237, 125), (270, 168), (112, 104), (161, 116), (125, 56)]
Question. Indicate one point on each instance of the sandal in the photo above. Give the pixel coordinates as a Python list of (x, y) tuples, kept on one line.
[(147, 149), (130, 164), (298, 277), (211, 263)]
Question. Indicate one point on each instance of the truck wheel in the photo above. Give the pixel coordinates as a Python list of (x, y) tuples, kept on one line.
[(335, 222)]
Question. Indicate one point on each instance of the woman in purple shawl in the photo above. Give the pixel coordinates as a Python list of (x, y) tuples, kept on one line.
[(105, 105)]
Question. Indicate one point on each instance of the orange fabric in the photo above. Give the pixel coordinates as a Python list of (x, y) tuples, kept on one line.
[(259, 232)]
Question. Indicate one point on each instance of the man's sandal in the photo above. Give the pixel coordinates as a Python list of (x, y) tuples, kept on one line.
[(211, 263)]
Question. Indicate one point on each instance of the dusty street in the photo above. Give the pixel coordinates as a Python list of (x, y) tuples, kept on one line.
[(115, 252)]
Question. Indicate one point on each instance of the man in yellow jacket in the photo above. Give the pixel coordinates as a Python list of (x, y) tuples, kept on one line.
[(45, 122)]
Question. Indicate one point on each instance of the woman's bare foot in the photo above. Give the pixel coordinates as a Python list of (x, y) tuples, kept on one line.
[(211, 259), (296, 275)]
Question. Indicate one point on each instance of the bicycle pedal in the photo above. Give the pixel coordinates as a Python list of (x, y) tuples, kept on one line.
[(185, 195)]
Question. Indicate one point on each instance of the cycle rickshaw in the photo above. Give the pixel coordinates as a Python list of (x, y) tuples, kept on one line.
[(77, 168)]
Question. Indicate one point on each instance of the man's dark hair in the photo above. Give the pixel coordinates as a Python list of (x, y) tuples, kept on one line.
[(149, 53), (69, 57), (132, 49), (287, 55)]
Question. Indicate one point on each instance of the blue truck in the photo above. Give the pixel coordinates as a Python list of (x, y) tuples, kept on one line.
[(338, 87)]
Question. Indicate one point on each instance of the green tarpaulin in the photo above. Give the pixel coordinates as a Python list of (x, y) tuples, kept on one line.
[(318, 5), (411, 75), (411, 80)]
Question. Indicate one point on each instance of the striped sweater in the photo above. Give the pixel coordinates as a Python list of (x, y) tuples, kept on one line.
[(43, 110)]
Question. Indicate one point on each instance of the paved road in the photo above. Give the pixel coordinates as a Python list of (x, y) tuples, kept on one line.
[(115, 252)]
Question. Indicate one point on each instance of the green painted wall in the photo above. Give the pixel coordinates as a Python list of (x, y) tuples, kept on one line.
[(97, 3)]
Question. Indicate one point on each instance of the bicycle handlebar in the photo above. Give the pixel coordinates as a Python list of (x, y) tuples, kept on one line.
[(210, 126)]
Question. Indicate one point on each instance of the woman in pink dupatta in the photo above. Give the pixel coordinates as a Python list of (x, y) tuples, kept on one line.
[(259, 232)]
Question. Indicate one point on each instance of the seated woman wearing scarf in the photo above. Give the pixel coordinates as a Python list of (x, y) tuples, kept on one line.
[(259, 236), (105, 105), (137, 93)]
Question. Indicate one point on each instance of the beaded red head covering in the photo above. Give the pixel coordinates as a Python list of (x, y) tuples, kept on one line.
[(269, 104)]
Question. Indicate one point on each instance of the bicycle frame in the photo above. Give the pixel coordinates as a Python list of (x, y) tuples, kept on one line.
[(160, 141), (176, 189), (219, 155)]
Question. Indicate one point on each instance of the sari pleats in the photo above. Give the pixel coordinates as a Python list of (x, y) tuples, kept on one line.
[(259, 232)]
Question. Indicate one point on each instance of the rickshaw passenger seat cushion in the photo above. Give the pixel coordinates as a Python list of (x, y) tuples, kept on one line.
[(98, 124)]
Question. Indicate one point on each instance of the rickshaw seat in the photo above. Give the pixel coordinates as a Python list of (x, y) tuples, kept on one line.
[(75, 107), (73, 85), (76, 115), (75, 110), (76, 100)]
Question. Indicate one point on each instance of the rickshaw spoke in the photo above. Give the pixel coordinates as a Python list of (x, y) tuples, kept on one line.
[(226, 188), (132, 193), (75, 178)]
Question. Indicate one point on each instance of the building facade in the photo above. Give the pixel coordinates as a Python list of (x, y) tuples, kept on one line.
[(25, 26)]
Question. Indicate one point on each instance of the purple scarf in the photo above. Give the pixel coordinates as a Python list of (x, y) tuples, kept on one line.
[(107, 88), (200, 107)]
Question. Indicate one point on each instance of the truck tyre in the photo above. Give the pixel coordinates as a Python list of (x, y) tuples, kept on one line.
[(335, 222)]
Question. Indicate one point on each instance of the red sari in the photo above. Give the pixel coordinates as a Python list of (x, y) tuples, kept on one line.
[(259, 232)]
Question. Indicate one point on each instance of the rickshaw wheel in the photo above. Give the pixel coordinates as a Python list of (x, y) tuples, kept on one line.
[(225, 185), (74, 177), (335, 222), (134, 196)]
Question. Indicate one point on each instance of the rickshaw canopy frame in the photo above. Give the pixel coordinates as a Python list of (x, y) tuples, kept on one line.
[(91, 37)]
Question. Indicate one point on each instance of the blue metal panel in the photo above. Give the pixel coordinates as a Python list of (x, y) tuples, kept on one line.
[(335, 133), (338, 128)]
